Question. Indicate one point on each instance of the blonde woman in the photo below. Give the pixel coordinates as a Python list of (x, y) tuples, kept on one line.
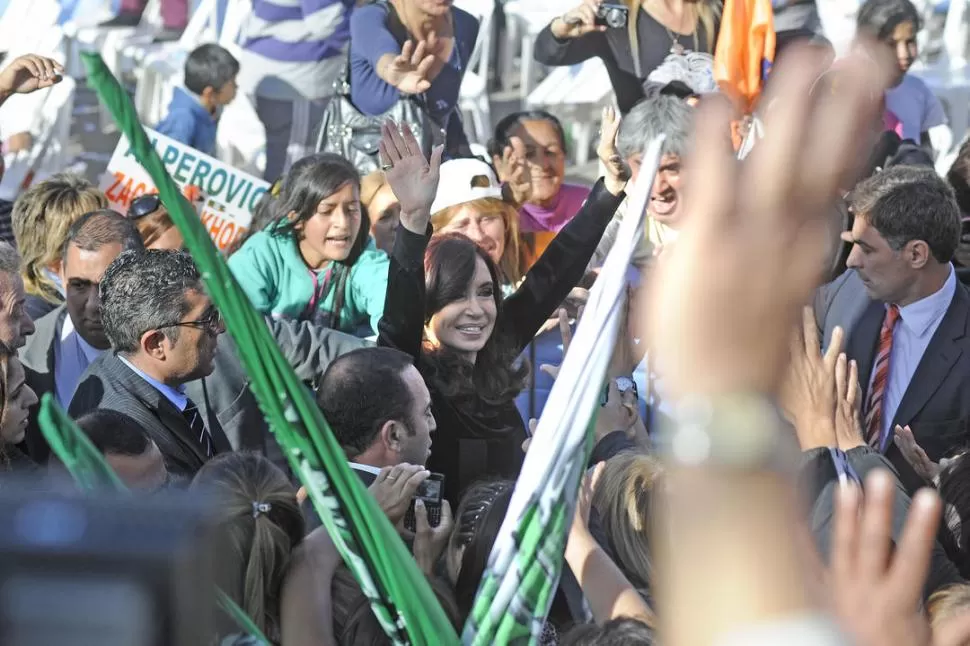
[(623, 499), (469, 201), (41, 217), (673, 34)]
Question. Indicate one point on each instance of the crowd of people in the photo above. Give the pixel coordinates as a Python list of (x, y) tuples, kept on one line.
[(792, 472)]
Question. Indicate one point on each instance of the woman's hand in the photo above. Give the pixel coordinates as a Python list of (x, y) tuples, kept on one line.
[(408, 71), (514, 171), (617, 170), (914, 454), (577, 22), (430, 541), (413, 179), (566, 332)]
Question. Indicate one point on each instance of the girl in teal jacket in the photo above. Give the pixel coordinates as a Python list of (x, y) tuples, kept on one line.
[(315, 261)]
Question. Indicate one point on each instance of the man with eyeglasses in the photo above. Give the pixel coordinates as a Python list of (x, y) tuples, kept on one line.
[(163, 330)]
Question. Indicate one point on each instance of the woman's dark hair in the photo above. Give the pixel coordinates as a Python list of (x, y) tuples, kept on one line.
[(503, 130), (477, 521), (354, 623), (259, 523), (495, 377), (879, 18), (310, 181), (959, 177)]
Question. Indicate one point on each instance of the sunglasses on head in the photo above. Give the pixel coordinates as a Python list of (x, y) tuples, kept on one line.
[(144, 205)]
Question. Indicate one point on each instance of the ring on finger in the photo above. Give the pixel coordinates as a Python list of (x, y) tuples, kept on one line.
[(386, 167)]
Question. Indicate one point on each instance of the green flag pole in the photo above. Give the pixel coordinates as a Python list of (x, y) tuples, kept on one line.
[(399, 594)]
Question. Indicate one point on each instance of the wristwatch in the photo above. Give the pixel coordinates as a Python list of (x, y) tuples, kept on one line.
[(740, 431)]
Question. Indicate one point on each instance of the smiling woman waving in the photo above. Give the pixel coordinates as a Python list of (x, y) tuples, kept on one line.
[(444, 308)]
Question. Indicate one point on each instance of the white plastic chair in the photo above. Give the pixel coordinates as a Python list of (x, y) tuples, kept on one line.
[(577, 94), (473, 96), (88, 36), (41, 17)]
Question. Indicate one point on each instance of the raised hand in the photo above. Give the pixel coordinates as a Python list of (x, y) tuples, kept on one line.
[(848, 404), (752, 248), (567, 337), (578, 22), (29, 73), (413, 179), (408, 71), (876, 589), (808, 395), (617, 170), (515, 172), (914, 454)]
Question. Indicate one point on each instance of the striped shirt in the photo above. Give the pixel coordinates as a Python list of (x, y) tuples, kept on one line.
[(294, 48)]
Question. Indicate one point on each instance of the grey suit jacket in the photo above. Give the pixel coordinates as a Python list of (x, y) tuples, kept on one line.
[(38, 359), (110, 384), (840, 303)]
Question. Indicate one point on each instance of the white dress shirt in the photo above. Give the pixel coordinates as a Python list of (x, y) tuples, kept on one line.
[(917, 324), (72, 356), (175, 395)]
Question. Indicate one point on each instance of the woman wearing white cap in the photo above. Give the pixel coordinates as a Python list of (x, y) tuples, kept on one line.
[(469, 201), (444, 308)]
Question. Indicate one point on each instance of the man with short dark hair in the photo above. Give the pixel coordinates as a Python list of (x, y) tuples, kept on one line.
[(379, 409), (15, 323), (71, 337), (912, 342), (163, 330), (126, 448)]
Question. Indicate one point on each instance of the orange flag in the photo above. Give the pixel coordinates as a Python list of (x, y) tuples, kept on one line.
[(745, 50)]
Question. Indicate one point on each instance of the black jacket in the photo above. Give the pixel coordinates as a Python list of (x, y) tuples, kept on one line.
[(475, 440)]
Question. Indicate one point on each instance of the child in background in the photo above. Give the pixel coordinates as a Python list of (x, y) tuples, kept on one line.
[(315, 261), (210, 84), (895, 24)]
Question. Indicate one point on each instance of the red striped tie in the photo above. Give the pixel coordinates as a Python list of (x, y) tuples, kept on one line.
[(881, 378)]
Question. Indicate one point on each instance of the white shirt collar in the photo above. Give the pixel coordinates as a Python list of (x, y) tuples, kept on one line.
[(174, 395), (356, 466), (919, 316)]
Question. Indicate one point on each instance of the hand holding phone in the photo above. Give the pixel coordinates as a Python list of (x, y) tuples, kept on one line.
[(430, 492), (430, 541)]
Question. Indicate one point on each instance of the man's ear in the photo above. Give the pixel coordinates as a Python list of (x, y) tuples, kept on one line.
[(630, 409), (155, 344), (918, 253), (391, 436)]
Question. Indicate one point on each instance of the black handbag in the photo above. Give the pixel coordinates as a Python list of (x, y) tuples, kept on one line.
[(346, 131)]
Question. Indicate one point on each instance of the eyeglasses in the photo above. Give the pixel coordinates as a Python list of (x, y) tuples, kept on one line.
[(211, 323), (143, 205)]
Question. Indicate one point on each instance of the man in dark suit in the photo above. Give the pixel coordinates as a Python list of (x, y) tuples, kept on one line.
[(912, 341), (68, 339), (163, 330)]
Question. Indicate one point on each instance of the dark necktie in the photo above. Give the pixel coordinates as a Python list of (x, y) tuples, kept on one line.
[(194, 419)]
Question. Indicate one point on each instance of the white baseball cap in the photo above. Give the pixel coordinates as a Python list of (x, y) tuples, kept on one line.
[(465, 180)]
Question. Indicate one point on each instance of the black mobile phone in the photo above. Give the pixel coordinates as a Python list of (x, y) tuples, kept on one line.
[(430, 492)]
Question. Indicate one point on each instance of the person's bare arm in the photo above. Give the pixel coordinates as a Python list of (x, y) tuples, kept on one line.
[(305, 604)]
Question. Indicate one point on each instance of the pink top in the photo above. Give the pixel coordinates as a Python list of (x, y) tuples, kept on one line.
[(533, 217), (892, 123)]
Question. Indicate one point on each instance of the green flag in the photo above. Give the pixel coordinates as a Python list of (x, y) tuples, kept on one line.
[(399, 594)]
